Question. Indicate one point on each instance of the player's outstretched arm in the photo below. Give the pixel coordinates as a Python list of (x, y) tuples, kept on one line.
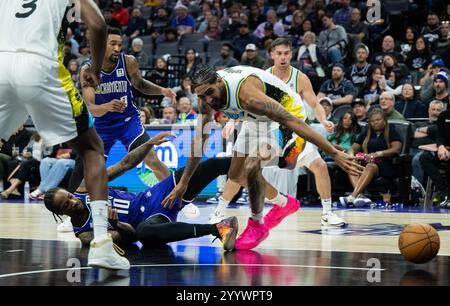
[(254, 100), (133, 158), (145, 86), (197, 149), (93, 18)]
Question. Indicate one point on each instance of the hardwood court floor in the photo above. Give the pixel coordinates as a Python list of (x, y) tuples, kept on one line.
[(297, 252)]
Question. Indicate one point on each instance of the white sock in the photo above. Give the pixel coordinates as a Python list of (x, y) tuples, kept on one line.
[(223, 204), (326, 205), (100, 218), (258, 217), (280, 200)]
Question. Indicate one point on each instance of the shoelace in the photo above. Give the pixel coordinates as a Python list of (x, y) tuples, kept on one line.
[(118, 250)]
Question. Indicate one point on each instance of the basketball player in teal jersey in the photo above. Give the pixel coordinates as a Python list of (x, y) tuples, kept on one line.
[(281, 53), (254, 96)]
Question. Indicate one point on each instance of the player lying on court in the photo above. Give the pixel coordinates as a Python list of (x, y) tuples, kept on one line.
[(141, 216), (255, 96)]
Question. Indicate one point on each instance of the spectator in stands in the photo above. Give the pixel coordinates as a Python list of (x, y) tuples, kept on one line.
[(146, 114), (193, 8), (110, 20), (338, 89), (161, 4), (395, 73), (255, 17), (192, 61), (170, 36), (343, 15), (357, 31), (73, 69), (295, 30), (160, 23), (227, 60), (213, 31), (30, 158), (185, 110), (311, 60), (426, 82), (11, 148), (431, 30), (431, 161), (75, 45), (119, 13), (53, 169), (170, 114), (346, 131), (407, 44), (374, 87), (445, 53), (240, 41), (217, 8), (252, 58), (378, 144), (268, 38), (182, 21), (203, 22), (264, 6), (425, 138), (408, 105), (277, 25), (333, 6), (359, 108), (159, 75), (68, 56), (440, 89), (137, 25), (327, 105), (387, 102), (137, 50), (418, 59), (357, 73), (185, 89), (230, 27), (85, 54), (332, 39), (441, 45), (388, 47)]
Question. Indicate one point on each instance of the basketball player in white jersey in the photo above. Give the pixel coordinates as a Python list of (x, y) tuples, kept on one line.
[(281, 53), (33, 81), (255, 96)]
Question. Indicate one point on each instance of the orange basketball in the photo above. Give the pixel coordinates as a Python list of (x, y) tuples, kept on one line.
[(419, 243)]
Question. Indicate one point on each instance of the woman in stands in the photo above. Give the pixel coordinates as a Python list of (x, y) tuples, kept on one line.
[(192, 62), (346, 131), (374, 148), (374, 87), (408, 105)]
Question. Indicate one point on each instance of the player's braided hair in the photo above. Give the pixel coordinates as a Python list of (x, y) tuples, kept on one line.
[(49, 202), (205, 75)]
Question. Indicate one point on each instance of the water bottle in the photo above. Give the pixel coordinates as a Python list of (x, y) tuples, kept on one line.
[(26, 192)]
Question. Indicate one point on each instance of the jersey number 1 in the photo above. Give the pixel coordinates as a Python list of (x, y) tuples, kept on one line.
[(30, 6)]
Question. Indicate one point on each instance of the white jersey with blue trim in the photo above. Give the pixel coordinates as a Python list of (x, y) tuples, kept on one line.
[(273, 87)]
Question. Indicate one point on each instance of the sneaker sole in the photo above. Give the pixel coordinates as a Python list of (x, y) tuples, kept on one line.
[(325, 223), (105, 264), (230, 240)]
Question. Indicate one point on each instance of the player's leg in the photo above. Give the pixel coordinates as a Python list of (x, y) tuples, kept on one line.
[(323, 186), (206, 172), (158, 230)]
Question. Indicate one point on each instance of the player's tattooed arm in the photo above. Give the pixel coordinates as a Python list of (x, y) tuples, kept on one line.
[(133, 158), (143, 85)]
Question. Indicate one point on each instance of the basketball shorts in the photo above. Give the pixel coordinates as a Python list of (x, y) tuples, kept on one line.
[(34, 85)]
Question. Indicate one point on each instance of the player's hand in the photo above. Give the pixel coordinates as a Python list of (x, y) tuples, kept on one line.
[(329, 126), (116, 106), (161, 138), (169, 93), (176, 195), (228, 129), (90, 78), (347, 163), (113, 217)]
